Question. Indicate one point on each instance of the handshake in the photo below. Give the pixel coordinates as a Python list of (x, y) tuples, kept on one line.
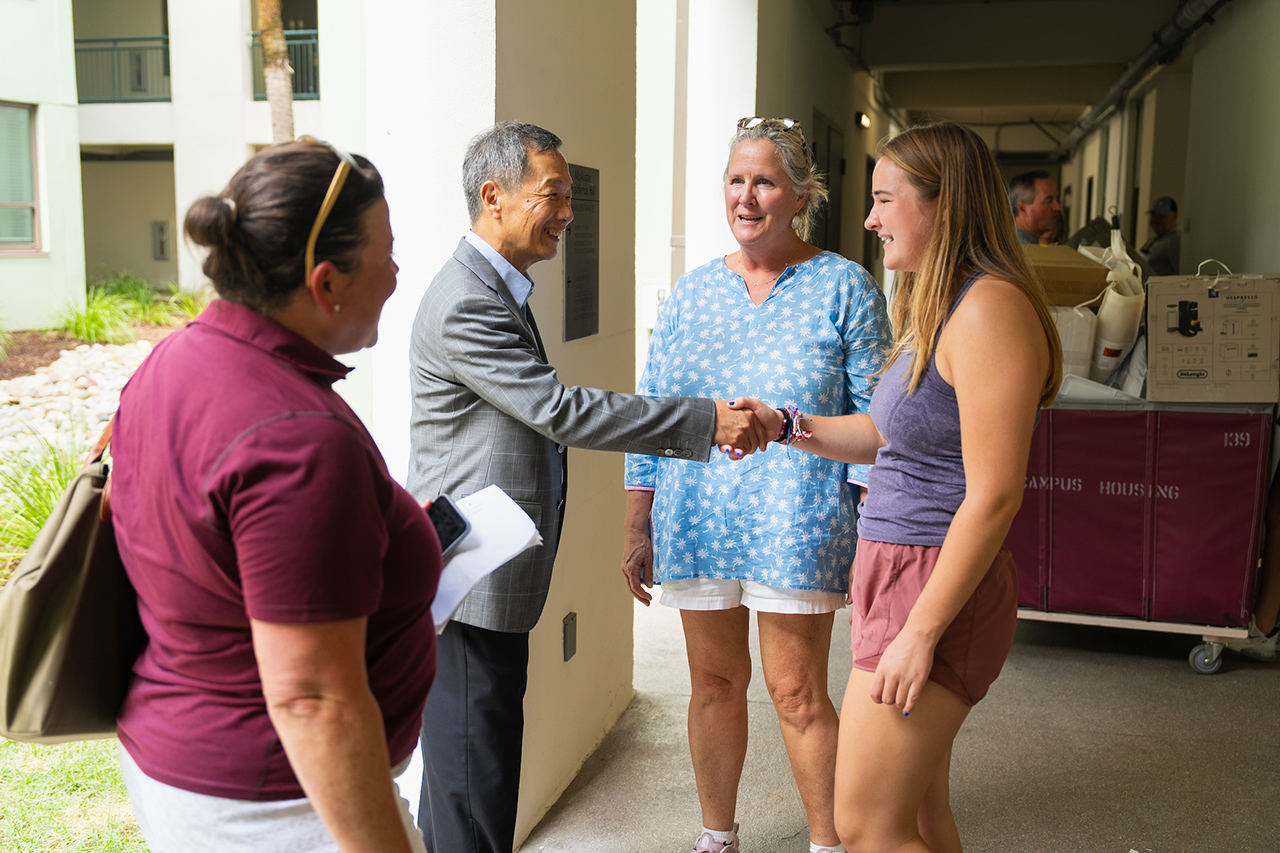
[(745, 425)]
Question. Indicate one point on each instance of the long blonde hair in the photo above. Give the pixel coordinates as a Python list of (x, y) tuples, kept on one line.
[(973, 234)]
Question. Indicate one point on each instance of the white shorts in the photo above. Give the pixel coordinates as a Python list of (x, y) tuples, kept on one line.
[(713, 594), (176, 821)]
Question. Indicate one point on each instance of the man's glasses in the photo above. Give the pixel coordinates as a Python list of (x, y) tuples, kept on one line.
[(345, 164)]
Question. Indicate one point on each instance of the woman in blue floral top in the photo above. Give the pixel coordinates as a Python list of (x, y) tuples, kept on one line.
[(775, 533)]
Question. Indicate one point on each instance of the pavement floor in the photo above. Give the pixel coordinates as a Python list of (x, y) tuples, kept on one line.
[(1100, 740)]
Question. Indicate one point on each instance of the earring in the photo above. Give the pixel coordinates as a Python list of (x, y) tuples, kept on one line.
[(336, 308)]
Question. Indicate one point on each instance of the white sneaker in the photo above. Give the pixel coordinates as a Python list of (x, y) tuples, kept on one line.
[(707, 844), (1257, 645)]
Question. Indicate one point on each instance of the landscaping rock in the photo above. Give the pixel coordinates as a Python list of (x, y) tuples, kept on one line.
[(69, 400)]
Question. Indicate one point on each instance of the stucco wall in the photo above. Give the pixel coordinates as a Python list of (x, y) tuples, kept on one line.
[(569, 65), (1233, 174), (121, 200), (34, 285), (799, 70)]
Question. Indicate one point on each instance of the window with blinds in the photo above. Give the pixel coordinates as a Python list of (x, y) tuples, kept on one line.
[(17, 178)]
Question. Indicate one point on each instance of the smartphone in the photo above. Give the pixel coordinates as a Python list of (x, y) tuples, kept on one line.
[(451, 525)]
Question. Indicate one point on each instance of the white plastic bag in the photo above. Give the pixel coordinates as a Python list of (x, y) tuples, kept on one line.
[(1076, 327), (1131, 378), (1120, 314)]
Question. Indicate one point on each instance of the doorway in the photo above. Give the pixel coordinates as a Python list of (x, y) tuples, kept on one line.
[(828, 157)]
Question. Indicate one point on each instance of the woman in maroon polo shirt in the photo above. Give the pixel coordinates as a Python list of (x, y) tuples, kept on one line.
[(284, 578)]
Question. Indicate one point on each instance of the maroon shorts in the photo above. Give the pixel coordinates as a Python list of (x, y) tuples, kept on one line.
[(886, 583)]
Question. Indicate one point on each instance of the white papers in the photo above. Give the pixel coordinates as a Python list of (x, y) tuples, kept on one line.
[(499, 531), (1077, 389)]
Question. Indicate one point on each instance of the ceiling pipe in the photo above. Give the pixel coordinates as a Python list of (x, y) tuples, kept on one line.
[(1165, 44), (862, 12), (1040, 127)]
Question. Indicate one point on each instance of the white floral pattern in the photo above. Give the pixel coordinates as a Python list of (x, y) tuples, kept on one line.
[(781, 516)]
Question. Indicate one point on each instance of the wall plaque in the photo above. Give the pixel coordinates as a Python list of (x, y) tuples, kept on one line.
[(582, 256)]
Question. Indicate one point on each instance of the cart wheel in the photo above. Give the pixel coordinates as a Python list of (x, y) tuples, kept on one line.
[(1201, 661)]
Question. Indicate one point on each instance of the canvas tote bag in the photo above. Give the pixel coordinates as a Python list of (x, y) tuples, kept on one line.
[(1120, 314), (69, 628)]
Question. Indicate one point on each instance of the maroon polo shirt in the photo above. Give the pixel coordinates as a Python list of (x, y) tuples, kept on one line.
[(244, 486)]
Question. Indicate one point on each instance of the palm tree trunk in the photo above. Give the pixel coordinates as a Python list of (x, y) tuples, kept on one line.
[(276, 70)]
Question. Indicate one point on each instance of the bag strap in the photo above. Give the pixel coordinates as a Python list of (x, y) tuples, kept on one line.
[(95, 455), (101, 445)]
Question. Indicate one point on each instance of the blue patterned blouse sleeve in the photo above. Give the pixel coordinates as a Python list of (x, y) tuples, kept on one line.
[(868, 338)]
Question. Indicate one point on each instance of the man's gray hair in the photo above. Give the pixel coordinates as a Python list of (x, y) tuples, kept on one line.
[(1022, 188), (798, 165), (501, 154)]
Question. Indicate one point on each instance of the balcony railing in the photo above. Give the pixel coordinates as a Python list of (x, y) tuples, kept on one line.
[(112, 71), (304, 57)]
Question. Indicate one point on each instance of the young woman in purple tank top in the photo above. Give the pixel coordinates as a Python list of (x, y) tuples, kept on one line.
[(934, 591)]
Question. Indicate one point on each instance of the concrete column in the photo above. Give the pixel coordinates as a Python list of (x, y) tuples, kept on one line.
[(659, 115), (430, 70), (570, 66), (209, 67), (722, 89)]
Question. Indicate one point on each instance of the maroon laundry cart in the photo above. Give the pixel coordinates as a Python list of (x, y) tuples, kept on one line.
[(1145, 517)]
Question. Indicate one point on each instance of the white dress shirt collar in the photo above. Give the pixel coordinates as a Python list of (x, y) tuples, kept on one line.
[(517, 282)]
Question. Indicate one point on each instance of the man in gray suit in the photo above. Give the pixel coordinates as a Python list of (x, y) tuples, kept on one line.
[(488, 408)]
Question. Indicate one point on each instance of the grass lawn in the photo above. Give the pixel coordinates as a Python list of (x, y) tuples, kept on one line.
[(69, 797), (64, 797)]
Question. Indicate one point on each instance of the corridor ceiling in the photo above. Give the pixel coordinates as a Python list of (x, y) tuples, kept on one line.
[(995, 62)]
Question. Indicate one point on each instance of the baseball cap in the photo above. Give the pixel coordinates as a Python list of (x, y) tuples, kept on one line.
[(1164, 205)]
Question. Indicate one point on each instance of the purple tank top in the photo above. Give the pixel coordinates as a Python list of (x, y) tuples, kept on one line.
[(917, 483)]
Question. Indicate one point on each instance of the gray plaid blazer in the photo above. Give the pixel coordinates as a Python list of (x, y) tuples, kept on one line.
[(488, 408)]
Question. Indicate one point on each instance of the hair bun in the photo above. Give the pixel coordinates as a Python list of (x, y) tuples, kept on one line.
[(211, 221)]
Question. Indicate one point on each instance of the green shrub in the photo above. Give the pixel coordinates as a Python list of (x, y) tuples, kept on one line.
[(141, 300), (186, 305), (105, 319), (126, 284), (31, 485)]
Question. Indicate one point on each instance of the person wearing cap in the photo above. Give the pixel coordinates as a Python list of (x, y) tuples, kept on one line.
[(1033, 200), (1165, 246)]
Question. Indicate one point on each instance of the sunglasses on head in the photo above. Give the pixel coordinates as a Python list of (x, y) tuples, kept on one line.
[(780, 123), (786, 125), (345, 164)]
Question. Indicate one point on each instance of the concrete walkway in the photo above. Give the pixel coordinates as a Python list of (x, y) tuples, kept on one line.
[(1097, 740)]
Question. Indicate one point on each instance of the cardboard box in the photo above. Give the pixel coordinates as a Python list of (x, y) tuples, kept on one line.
[(1069, 278), (1213, 339)]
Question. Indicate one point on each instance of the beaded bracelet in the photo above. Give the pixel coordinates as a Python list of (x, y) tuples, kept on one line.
[(795, 432), (785, 436)]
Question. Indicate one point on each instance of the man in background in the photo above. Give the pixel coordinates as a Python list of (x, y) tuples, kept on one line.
[(1033, 198), (1163, 251)]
